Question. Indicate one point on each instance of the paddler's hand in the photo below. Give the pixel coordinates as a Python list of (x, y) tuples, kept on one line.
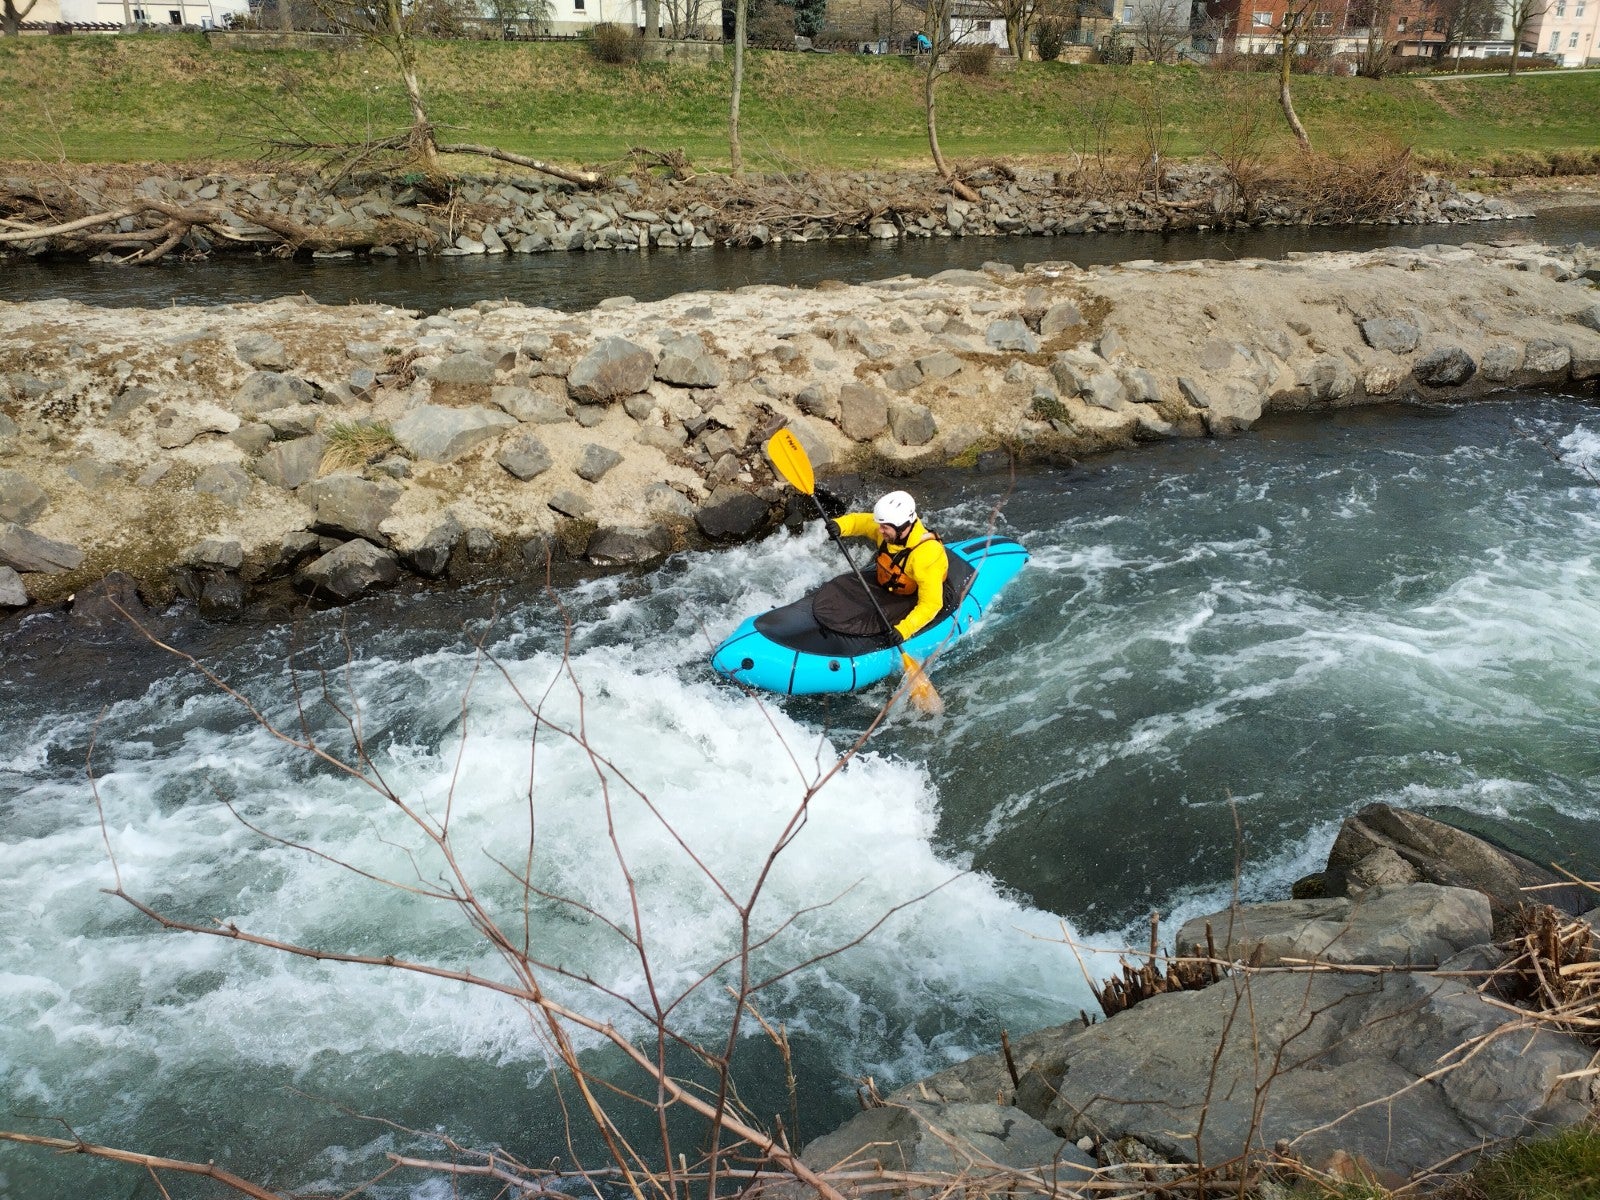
[(832, 528), (896, 638)]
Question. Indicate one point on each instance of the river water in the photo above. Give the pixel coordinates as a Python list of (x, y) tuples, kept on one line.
[(1397, 605)]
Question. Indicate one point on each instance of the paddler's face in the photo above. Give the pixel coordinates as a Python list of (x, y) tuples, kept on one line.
[(890, 533)]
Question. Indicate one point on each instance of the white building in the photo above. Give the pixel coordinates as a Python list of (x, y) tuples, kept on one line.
[(205, 14), (1566, 29)]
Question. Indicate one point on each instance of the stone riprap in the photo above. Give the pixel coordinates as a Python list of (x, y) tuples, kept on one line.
[(536, 214), (1415, 1063), (483, 439)]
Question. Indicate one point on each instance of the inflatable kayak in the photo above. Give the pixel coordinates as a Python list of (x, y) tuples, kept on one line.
[(789, 651)]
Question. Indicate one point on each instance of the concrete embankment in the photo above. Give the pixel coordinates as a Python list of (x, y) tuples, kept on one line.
[(214, 451)]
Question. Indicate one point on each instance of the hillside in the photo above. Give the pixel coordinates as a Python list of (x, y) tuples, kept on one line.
[(178, 98)]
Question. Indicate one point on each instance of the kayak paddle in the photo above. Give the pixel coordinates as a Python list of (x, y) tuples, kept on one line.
[(789, 457)]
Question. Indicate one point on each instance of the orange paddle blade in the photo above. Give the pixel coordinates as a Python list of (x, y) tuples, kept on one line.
[(923, 695)]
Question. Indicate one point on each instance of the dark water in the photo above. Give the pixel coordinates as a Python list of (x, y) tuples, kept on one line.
[(575, 281), (1399, 605)]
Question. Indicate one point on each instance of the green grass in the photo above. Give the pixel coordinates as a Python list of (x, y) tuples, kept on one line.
[(177, 98), (1564, 1167)]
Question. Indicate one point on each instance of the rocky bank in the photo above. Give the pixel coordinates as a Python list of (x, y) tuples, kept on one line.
[(215, 451), (1372, 1032)]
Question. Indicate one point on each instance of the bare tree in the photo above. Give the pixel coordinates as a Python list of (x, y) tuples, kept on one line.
[(507, 14), (12, 17), (1519, 14), (1160, 28), (741, 18), (937, 32), (1291, 27), (1019, 17), (1465, 20)]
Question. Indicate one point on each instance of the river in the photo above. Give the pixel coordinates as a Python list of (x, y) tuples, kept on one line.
[(1397, 605), (1261, 634)]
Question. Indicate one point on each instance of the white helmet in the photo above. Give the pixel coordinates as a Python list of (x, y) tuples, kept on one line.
[(895, 508)]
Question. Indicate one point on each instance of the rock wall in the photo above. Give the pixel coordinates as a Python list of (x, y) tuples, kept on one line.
[(523, 216), (216, 449)]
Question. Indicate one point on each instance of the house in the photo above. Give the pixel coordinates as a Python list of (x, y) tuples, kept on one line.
[(203, 14), (1568, 30)]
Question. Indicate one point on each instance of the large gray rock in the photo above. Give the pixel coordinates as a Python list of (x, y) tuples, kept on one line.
[(216, 554), (261, 350), (1545, 357), (263, 391), (1369, 1066), (1391, 334), (467, 369), (12, 593), (731, 512), (435, 433), (615, 368), (863, 411), (289, 465), (349, 571), (1011, 334), (1448, 366), (595, 461), (1327, 380), (1439, 853), (1501, 361), (429, 555), (950, 1139), (24, 550), (530, 406), (685, 362), (913, 424), (1059, 317), (1419, 924), (1235, 407), (525, 456), (627, 547), (350, 506), (226, 481), (21, 500), (1079, 373)]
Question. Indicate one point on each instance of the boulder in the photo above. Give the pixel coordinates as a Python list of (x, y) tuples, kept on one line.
[(263, 391), (108, 606), (571, 504), (814, 401), (685, 362), (435, 433), (731, 512), (595, 461), (1544, 357), (21, 500), (1322, 1063), (949, 1139), (1011, 334), (429, 555), (1079, 373), (261, 350), (1501, 361), (615, 368), (350, 506), (215, 554), (1391, 334), (903, 378), (289, 465), (941, 364), (354, 569), (1327, 380), (530, 406), (226, 481), (465, 369), (1235, 407), (1419, 924), (913, 424), (1448, 366), (863, 411), (1059, 317), (1441, 854), (12, 593), (525, 456), (627, 547)]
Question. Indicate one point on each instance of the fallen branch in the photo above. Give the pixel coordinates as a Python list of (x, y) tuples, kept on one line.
[(150, 1161)]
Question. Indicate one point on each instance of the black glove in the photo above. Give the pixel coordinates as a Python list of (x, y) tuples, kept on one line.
[(896, 638), (833, 529)]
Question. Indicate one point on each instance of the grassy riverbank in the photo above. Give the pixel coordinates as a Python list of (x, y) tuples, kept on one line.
[(177, 98)]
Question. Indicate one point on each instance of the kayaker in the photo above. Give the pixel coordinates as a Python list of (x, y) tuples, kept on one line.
[(911, 561)]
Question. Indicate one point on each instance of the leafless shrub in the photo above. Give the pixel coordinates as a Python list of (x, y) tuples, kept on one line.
[(616, 44), (974, 60)]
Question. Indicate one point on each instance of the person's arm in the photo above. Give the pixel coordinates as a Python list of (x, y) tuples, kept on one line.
[(928, 564), (857, 525)]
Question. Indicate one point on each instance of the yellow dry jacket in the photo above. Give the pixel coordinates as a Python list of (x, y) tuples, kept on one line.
[(921, 561)]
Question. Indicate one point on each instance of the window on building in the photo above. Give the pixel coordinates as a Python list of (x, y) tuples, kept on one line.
[(577, 5), (1400, 25), (138, 15), (1572, 41), (1438, 24), (1580, 8), (1263, 18), (1555, 41), (175, 16), (980, 26), (1127, 14), (1322, 20), (1561, 8)]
